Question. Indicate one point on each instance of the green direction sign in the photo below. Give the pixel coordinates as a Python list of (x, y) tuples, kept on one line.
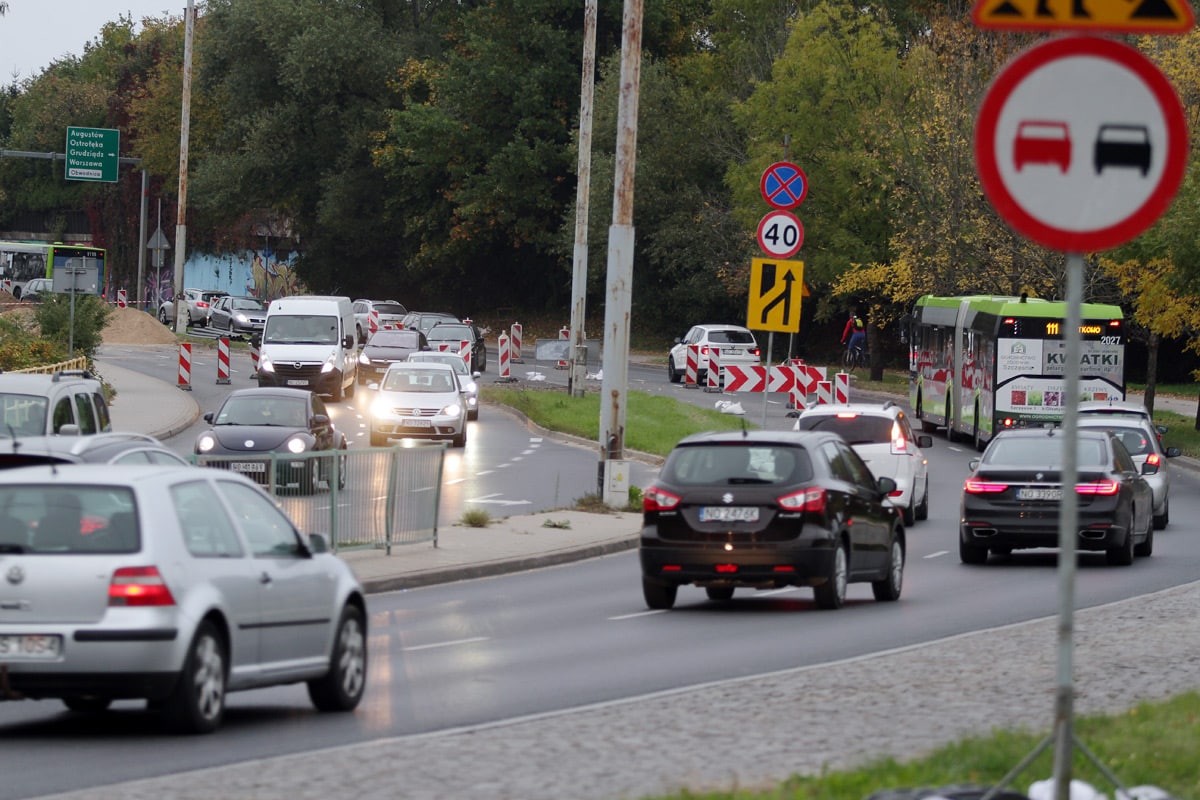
[(92, 154)]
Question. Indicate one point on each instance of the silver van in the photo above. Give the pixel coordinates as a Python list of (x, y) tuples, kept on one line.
[(310, 342)]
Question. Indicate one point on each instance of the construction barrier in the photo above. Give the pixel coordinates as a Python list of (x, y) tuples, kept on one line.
[(254, 355), (713, 384), (372, 323), (563, 333), (185, 366), (122, 299), (223, 360), (515, 343), (798, 399), (693, 367), (7, 285), (505, 356), (824, 392), (841, 388)]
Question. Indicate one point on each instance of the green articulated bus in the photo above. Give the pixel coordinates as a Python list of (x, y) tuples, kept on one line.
[(981, 363)]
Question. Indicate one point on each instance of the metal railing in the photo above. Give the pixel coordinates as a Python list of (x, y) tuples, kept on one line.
[(79, 362), (363, 498)]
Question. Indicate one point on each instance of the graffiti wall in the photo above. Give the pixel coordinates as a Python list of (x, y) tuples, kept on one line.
[(265, 274)]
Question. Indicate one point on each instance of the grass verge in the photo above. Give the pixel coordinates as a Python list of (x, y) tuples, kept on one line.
[(1152, 744)]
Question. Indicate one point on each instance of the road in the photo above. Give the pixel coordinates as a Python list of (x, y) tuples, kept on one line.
[(476, 652)]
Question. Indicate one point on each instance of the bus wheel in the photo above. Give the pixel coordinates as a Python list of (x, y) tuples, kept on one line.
[(926, 425), (978, 439), (951, 436)]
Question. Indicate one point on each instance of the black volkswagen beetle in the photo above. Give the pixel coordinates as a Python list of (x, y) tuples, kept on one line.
[(257, 427)]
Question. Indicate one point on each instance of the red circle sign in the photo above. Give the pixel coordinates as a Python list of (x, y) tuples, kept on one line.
[(783, 185), (1081, 143), (780, 234)]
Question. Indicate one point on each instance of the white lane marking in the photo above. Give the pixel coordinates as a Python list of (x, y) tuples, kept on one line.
[(770, 592), (517, 458), (454, 481), (638, 614), (503, 466), (536, 439), (938, 554), (453, 643), (955, 449), (528, 452), (484, 472)]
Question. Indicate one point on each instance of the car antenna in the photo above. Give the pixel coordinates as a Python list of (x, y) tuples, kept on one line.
[(13, 435)]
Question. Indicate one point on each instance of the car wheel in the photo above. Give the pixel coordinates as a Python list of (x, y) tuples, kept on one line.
[(342, 462), (197, 702), (1146, 548), (87, 704), (460, 439), (672, 375), (887, 589), (473, 415), (971, 553), (1161, 520), (719, 592), (336, 395), (1122, 554), (831, 594), (342, 687), (353, 385), (923, 506), (310, 480), (162, 316), (909, 512), (659, 596)]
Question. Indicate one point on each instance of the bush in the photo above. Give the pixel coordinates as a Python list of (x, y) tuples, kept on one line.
[(91, 314), (20, 348)]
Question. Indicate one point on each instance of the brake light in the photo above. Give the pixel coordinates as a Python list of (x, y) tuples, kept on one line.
[(810, 500), (1105, 487), (656, 499), (1153, 459), (201, 304), (703, 349), (846, 415), (977, 486), (1008, 423), (899, 443), (755, 351), (139, 586)]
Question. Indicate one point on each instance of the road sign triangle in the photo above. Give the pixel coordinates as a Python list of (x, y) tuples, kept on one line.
[(1113, 16)]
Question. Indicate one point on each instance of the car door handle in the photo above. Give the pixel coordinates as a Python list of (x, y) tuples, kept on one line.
[(264, 578)]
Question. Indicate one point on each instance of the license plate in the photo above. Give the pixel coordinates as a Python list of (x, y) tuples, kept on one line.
[(248, 466), (1035, 493), (382, 369), (297, 382), (415, 423), (30, 647), (731, 351), (729, 513)]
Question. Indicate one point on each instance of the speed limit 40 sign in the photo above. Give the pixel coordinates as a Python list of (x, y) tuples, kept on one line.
[(780, 234)]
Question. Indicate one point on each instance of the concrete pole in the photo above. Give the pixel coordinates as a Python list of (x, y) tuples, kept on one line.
[(614, 386), (141, 274), (184, 129), (578, 355)]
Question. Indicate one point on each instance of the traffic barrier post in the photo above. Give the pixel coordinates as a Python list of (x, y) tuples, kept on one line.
[(122, 299), (372, 323), (505, 356), (185, 366), (223, 360), (714, 370), (8, 285), (841, 388), (254, 356), (464, 352), (515, 343), (690, 378), (824, 392), (564, 333)]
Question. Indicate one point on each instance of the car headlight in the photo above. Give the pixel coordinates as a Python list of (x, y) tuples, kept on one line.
[(206, 443), (381, 407), (362, 358), (470, 387), (240, 317), (265, 365), (452, 410), (297, 445), (328, 365)]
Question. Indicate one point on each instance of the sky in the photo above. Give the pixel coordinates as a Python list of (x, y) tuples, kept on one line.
[(35, 32)]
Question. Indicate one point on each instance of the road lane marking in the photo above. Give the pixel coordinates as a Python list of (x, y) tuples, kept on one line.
[(638, 614), (938, 554), (451, 643)]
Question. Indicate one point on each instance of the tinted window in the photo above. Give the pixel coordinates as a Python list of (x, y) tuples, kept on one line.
[(454, 332), (1042, 452), (56, 519), (396, 339), (390, 308), (62, 413), (1137, 441), (731, 337), (737, 463), (857, 429), (83, 412), (207, 529)]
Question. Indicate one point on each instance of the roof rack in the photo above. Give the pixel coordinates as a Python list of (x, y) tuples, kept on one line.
[(70, 373)]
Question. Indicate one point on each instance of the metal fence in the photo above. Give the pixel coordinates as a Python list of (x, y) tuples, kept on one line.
[(363, 498), (79, 362)]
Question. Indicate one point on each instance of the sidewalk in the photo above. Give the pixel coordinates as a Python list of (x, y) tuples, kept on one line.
[(510, 544)]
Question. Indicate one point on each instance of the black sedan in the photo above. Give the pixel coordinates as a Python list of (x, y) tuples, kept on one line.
[(1013, 498), (766, 509), (463, 338), (255, 428), (386, 347)]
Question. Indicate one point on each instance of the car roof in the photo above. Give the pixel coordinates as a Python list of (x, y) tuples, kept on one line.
[(423, 365), (271, 391), (99, 474), (1052, 432), (1112, 407), (41, 381), (888, 408), (758, 437)]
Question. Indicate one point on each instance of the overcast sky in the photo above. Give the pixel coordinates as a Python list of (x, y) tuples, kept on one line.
[(35, 32)]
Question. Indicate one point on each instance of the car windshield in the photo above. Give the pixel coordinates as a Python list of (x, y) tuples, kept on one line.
[(456, 333), (300, 329), (67, 520), (285, 411), (854, 428), (395, 309), (731, 337), (394, 339), (1042, 452), (724, 464), (456, 362), (419, 380), (247, 304), (22, 415)]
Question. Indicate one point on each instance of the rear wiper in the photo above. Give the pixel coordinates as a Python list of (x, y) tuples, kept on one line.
[(748, 480)]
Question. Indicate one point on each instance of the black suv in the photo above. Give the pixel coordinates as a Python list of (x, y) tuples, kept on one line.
[(452, 335), (766, 509)]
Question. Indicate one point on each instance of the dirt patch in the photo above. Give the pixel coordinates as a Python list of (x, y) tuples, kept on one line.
[(131, 326)]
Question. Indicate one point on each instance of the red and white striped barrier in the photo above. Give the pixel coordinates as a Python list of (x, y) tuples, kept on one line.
[(223, 360), (798, 399), (6, 284), (824, 392), (690, 376), (122, 299), (254, 356), (564, 333), (504, 356), (713, 384), (185, 366), (372, 322), (515, 343), (464, 352), (841, 388)]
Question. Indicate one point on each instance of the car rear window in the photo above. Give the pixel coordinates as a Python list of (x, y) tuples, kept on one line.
[(456, 332), (730, 337), (857, 429), (391, 308), (737, 463), (395, 339), (1042, 452), (56, 519)]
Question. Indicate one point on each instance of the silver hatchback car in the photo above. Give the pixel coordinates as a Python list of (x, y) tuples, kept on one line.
[(174, 585), (1142, 440)]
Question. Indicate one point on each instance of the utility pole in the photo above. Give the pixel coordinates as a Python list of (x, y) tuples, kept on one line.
[(184, 128), (578, 365)]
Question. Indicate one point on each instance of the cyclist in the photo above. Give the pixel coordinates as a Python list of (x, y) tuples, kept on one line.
[(854, 335)]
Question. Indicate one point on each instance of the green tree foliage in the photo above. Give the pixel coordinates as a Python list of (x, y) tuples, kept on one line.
[(80, 329), (21, 347)]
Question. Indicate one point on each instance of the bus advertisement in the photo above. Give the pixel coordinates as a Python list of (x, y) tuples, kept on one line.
[(70, 266), (979, 364)]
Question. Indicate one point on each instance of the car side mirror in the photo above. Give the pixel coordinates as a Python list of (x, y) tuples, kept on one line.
[(973, 464), (1149, 469), (1160, 428), (209, 417), (70, 429), (678, 339), (1173, 452), (317, 543), (319, 419), (478, 374), (885, 485), (924, 440)]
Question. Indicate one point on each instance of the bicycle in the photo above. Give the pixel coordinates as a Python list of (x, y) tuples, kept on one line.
[(855, 358)]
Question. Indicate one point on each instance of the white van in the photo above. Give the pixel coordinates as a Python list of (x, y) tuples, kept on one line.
[(309, 342)]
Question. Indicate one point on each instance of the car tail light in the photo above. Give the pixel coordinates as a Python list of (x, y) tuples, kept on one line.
[(139, 586), (726, 568), (656, 499), (756, 351), (1007, 422), (846, 415), (977, 486), (1153, 459), (201, 304), (899, 443), (809, 500), (703, 349), (1104, 487)]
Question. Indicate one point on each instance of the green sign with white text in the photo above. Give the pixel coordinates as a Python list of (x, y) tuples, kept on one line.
[(93, 154)]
